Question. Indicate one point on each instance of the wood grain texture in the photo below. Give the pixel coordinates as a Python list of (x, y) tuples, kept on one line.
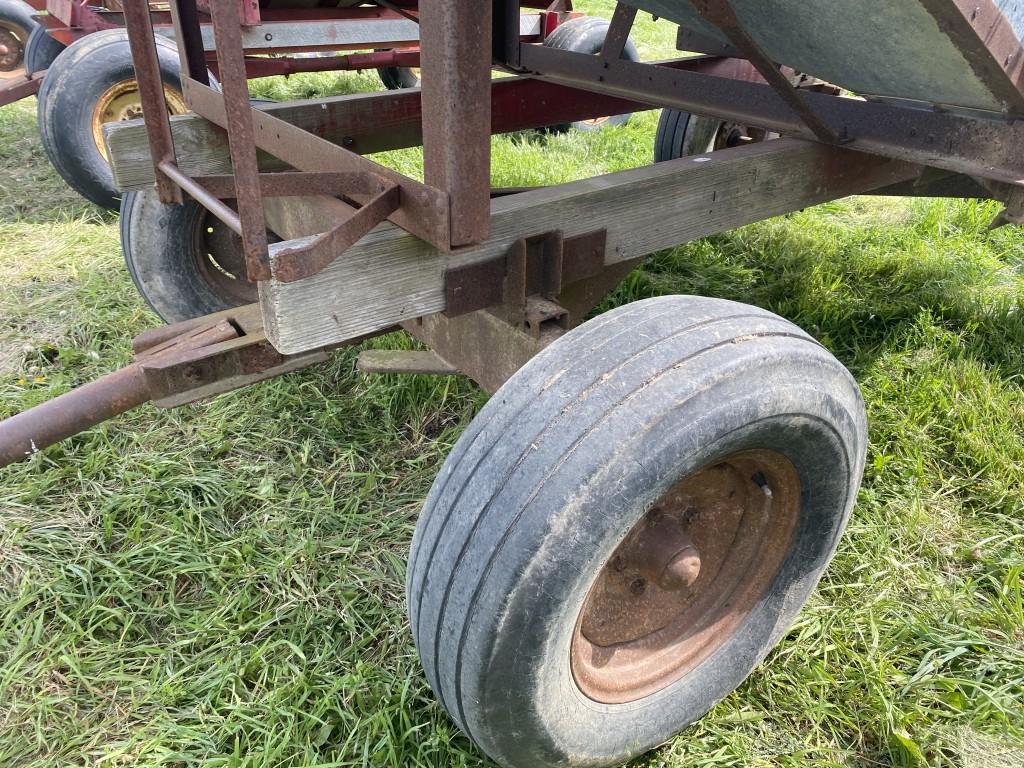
[(391, 276)]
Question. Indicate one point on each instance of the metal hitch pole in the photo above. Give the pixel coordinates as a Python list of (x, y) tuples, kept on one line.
[(174, 365)]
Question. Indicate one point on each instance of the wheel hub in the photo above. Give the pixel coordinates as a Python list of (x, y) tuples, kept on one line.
[(122, 101), (12, 52), (684, 578), (220, 260)]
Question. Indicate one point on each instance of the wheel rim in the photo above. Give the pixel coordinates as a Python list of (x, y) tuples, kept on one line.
[(683, 580), (12, 50), (122, 101), (219, 259)]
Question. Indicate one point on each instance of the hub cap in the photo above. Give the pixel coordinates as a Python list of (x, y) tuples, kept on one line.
[(221, 262), (686, 576), (12, 52), (121, 101)]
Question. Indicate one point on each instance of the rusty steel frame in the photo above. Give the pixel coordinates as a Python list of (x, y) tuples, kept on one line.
[(500, 310)]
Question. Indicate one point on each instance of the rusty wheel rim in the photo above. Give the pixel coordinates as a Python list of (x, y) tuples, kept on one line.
[(12, 51), (684, 579), (122, 101), (220, 261)]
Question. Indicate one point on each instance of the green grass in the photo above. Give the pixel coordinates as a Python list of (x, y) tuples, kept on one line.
[(222, 585)]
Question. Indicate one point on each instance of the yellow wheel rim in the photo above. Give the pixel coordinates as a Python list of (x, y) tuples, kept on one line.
[(12, 50), (122, 101)]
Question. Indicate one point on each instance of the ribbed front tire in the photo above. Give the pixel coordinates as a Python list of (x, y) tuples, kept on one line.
[(570, 456)]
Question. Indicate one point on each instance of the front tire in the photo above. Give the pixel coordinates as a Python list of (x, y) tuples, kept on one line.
[(540, 576), (88, 85)]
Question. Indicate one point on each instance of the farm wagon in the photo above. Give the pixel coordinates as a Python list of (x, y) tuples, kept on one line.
[(650, 496)]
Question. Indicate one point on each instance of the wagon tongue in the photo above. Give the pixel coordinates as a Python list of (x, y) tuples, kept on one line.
[(174, 365)]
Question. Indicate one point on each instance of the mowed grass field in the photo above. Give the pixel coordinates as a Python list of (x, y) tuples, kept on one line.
[(223, 585)]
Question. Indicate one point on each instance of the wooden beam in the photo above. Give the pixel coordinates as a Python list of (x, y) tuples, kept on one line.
[(391, 276)]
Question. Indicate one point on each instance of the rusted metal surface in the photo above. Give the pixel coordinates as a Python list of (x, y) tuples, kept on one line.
[(987, 40), (298, 263), (684, 579), (986, 148), (618, 32), (22, 87), (266, 67), (241, 134), (539, 265), (456, 64), (423, 210), (721, 14), (481, 345), (209, 201), (27, 433), (297, 183), (151, 94)]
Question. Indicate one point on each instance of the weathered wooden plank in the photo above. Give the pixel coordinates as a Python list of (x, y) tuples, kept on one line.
[(391, 276)]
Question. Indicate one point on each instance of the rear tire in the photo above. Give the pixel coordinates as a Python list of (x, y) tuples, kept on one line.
[(398, 78), (41, 51), (586, 35), (681, 134), (89, 84), (184, 262), (565, 464)]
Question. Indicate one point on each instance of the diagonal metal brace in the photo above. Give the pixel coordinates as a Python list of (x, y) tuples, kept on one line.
[(721, 14), (295, 264)]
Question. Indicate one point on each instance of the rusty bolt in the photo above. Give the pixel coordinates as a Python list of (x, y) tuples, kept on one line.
[(682, 571), (638, 586)]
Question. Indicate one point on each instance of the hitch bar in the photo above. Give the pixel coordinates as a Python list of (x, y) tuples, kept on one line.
[(174, 365)]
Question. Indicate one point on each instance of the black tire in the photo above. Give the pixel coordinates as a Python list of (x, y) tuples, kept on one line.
[(41, 51), (71, 92), (397, 78), (16, 25), (586, 35), (681, 134), (563, 461), (181, 268)]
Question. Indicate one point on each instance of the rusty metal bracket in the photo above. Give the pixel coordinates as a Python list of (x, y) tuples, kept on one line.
[(1012, 197), (721, 14), (538, 266), (618, 32), (299, 263)]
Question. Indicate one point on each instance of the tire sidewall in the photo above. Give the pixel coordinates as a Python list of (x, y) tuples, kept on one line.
[(78, 77), (586, 35), (540, 615), (41, 51), (159, 244)]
